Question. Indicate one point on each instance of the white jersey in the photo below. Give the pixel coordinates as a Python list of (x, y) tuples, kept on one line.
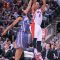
[(38, 16)]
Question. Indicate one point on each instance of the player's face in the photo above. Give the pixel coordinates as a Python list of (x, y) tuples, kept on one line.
[(37, 5)]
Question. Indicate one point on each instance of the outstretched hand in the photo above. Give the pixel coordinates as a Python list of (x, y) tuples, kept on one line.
[(4, 33)]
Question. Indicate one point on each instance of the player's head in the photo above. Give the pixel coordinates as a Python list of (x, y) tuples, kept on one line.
[(37, 5)]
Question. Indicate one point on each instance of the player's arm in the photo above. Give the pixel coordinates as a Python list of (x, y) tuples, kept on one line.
[(28, 7), (34, 1), (43, 6), (12, 25), (33, 8)]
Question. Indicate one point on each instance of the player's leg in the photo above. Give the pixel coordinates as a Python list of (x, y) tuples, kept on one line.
[(39, 40), (19, 45), (18, 53), (35, 38)]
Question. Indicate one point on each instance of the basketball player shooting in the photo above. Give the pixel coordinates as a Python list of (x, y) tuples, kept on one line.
[(37, 12)]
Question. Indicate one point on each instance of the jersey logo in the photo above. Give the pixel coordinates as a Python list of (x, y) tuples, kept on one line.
[(38, 11)]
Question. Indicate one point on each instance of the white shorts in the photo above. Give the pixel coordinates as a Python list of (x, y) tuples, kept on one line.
[(38, 32)]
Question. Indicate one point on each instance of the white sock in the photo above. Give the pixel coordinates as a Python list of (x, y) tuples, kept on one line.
[(35, 51)]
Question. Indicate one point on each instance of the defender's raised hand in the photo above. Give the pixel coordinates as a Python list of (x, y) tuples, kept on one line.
[(4, 32)]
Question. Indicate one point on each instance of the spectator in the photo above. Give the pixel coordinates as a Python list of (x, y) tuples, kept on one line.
[(10, 43), (15, 14), (1, 4), (7, 53), (47, 53), (1, 45)]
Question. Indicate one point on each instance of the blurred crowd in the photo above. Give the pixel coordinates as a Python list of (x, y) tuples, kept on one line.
[(7, 50), (9, 11), (50, 50)]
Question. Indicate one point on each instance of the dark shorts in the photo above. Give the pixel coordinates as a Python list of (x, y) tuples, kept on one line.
[(23, 39)]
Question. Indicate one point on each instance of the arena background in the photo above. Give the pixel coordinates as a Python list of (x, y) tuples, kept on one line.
[(50, 25)]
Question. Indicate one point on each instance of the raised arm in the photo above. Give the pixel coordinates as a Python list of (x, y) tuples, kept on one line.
[(43, 6), (28, 7), (12, 25), (34, 1)]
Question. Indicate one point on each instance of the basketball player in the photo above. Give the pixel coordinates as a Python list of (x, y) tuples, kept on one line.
[(21, 40), (37, 12)]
